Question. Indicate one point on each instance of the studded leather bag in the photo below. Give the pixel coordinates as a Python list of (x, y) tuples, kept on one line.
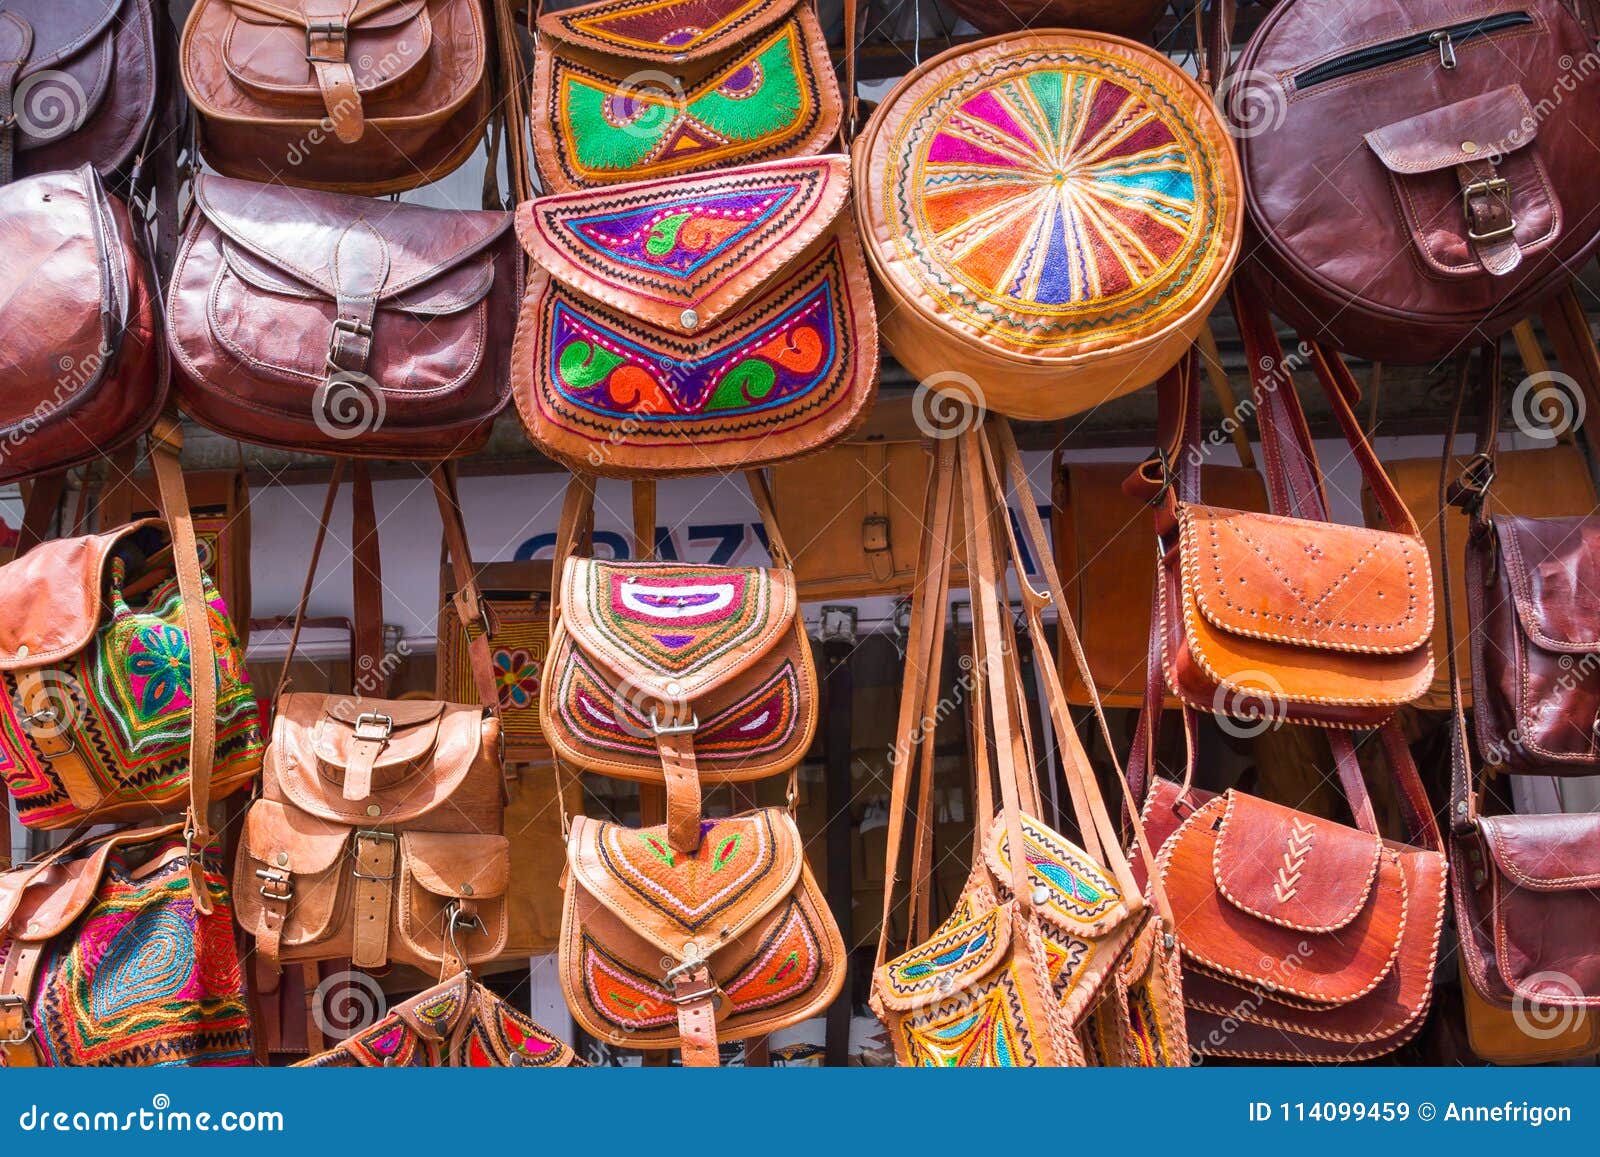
[(343, 325), (695, 324), (1051, 957), (1033, 278), (377, 835), (634, 90), (1414, 126)]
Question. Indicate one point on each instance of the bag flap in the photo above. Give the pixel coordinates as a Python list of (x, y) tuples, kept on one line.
[(745, 867), (960, 954), (434, 1014), (363, 14), (671, 31), (1293, 869), (1321, 585), (53, 899), (264, 49), (1546, 853), (423, 764), (298, 235), (682, 253), (61, 30), (673, 631), (411, 726), (51, 599), (288, 838), (1552, 568), (1479, 128), (1080, 899), (456, 865), (450, 292)]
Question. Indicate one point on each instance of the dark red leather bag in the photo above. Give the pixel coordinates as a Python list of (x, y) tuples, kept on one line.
[(343, 325), (83, 368), (1456, 141), (79, 77)]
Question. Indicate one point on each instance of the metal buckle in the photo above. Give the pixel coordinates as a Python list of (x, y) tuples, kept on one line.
[(371, 834), (279, 885), (335, 30), (1492, 187), (688, 728), (343, 325), (374, 725), (10, 1001), (50, 717), (690, 962), (691, 997), (875, 534)]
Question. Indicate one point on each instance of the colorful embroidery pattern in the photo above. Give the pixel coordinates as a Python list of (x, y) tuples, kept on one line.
[(693, 889), (142, 979), (520, 644), (666, 29), (988, 1028), (1077, 891), (958, 953), (129, 709), (1055, 197), (762, 104), (671, 619)]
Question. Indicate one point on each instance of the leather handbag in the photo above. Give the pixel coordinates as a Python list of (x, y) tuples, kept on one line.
[(107, 961), (102, 718), (1530, 1035), (377, 833), (358, 96), (516, 603), (1135, 19), (341, 325), (634, 90), (1286, 616), (1034, 280), (455, 1024), (1050, 957), (674, 673), (695, 324), (84, 372), (1414, 126), (851, 512), (77, 84)]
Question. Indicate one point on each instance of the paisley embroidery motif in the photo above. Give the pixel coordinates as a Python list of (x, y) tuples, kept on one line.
[(989, 1028)]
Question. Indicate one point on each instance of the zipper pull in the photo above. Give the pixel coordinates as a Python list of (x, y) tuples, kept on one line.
[(1447, 48)]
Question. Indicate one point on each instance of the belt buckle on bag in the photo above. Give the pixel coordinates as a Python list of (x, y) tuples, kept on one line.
[(1497, 187), (279, 886), (371, 834), (374, 725), (335, 30), (660, 728), (8, 1000), (343, 325)]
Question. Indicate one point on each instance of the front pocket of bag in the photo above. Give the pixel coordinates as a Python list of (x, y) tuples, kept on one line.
[(295, 862), (442, 871)]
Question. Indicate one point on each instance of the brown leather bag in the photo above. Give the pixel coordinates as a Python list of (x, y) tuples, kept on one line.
[(77, 84), (377, 835), (342, 325), (696, 324), (1413, 126), (1287, 616), (361, 96), (85, 367), (634, 90)]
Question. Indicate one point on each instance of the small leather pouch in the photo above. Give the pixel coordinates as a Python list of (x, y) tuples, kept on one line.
[(631, 90), (1469, 180), (696, 324)]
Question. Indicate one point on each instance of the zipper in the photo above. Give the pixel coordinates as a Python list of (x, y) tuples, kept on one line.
[(1444, 41)]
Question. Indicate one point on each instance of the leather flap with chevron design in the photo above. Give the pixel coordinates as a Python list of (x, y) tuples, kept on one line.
[(704, 244), (668, 31), (745, 866), (1312, 584), (1291, 868)]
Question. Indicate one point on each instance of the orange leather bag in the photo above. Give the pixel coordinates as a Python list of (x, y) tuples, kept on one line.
[(1002, 278)]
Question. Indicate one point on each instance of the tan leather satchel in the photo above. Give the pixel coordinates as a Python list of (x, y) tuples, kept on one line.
[(377, 835)]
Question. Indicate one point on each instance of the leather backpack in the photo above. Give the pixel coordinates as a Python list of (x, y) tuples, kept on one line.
[(357, 96), (695, 324), (634, 90), (377, 835), (1452, 141), (1001, 278), (77, 85), (342, 325)]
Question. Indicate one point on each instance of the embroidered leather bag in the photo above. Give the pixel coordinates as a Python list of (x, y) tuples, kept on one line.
[(1034, 281), (1288, 615), (77, 84), (677, 673), (102, 719), (107, 960), (84, 372), (377, 835), (696, 324), (632, 90), (516, 603), (1033, 965), (1414, 126), (361, 96), (340, 324), (456, 1024)]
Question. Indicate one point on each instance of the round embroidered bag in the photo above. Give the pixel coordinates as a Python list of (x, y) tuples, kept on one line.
[(1051, 216)]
